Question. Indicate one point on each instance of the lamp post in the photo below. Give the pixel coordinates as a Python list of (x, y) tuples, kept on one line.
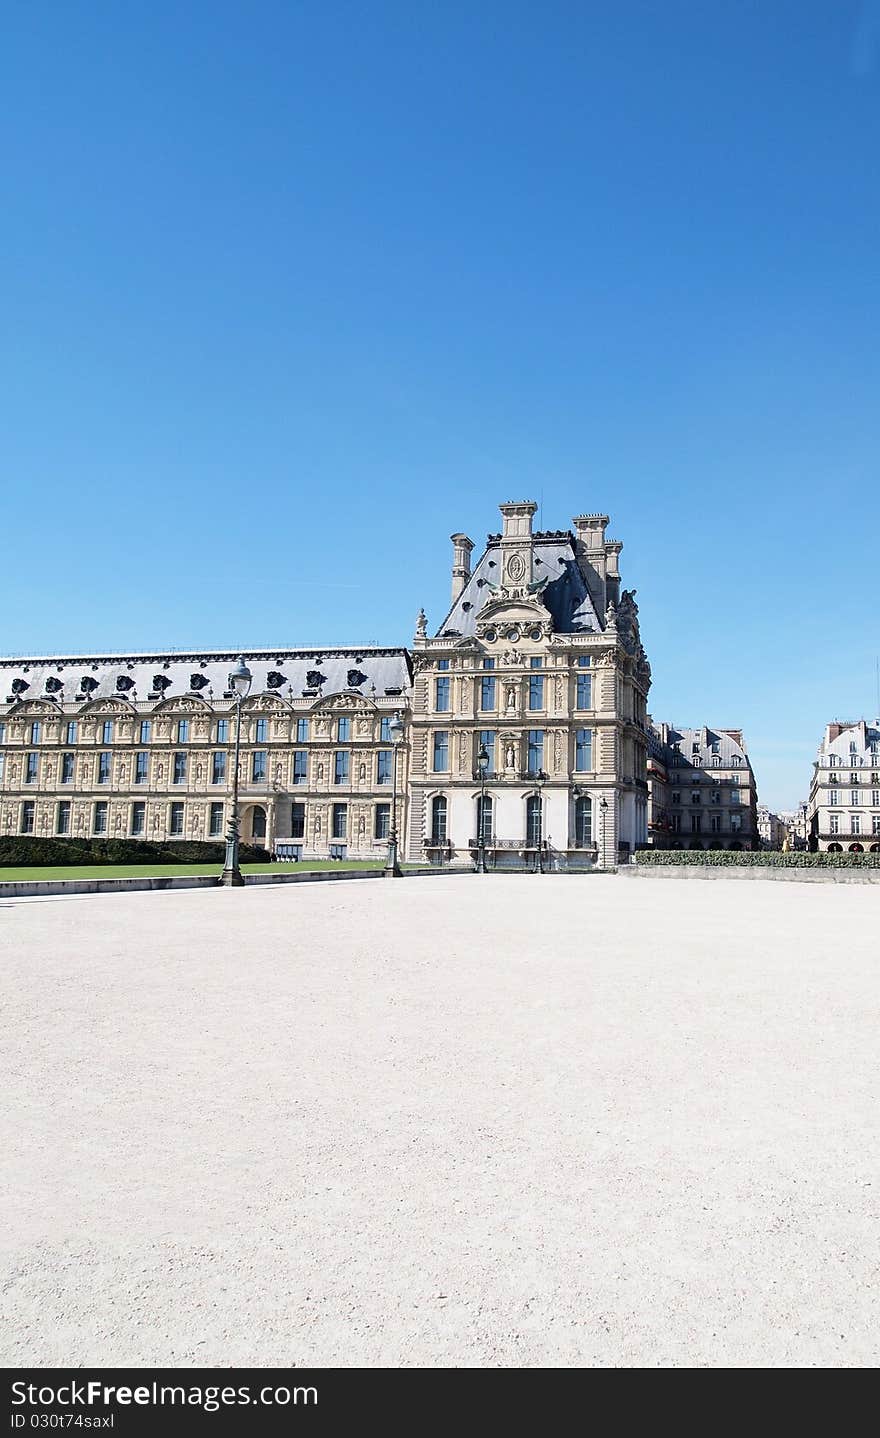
[(603, 810), (482, 765), (239, 683), (540, 778), (392, 865)]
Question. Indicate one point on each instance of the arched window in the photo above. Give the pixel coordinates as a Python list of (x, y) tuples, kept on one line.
[(484, 818), (533, 821), (583, 821), (258, 828), (438, 819)]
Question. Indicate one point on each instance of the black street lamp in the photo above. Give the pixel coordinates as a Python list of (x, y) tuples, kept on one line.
[(239, 683), (483, 766), (392, 864), (603, 810), (541, 779)]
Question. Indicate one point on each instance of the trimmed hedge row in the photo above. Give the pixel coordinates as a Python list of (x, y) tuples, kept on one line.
[(21, 851), (728, 858)]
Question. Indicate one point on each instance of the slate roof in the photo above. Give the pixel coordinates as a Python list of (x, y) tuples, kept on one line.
[(728, 747), (566, 594), (341, 669)]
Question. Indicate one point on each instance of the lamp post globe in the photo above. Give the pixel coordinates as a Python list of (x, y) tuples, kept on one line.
[(239, 684), (392, 863)]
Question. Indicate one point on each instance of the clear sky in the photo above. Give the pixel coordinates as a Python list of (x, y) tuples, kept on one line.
[(289, 292)]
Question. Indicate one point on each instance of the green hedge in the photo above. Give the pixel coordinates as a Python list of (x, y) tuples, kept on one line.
[(728, 858), (26, 850)]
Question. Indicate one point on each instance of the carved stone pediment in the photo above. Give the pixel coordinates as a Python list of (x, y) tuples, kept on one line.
[(35, 706), (351, 703), (94, 708), (265, 703), (183, 704), (514, 609)]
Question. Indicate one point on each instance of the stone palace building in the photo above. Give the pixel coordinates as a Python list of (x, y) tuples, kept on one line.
[(538, 665)]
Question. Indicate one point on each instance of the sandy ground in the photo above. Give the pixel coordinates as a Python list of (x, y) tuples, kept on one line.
[(512, 1120)]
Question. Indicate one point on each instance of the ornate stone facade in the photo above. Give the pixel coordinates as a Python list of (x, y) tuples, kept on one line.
[(539, 662), (142, 746)]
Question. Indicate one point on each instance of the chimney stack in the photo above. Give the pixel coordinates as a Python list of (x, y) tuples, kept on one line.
[(461, 563)]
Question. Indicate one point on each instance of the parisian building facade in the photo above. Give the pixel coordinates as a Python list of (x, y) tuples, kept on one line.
[(142, 746), (538, 666), (702, 789), (844, 803)]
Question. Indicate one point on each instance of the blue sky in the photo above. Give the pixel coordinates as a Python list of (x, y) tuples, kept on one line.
[(290, 292)]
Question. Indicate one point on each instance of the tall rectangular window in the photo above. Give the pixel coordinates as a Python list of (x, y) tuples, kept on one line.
[(536, 751), (696, 823), (875, 824), (27, 816), (340, 821), (854, 796), (2, 732), (215, 826), (442, 663), (441, 695), (218, 766), (107, 732), (486, 740), (300, 766), (536, 691), (487, 691), (67, 768), (383, 821), (262, 733), (141, 766), (441, 751), (834, 796), (104, 768), (715, 823), (385, 729), (302, 731), (343, 730), (138, 819), (222, 731), (855, 824), (583, 750), (340, 767), (35, 732), (183, 731), (176, 825), (32, 768), (258, 766), (180, 768), (62, 822), (145, 731), (834, 823), (297, 821), (101, 816), (584, 696), (383, 766), (71, 731)]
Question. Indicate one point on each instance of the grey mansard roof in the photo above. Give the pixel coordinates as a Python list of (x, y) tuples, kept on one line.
[(729, 748), (291, 673), (565, 595)]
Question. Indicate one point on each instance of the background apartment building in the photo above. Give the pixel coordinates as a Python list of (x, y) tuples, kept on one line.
[(702, 789), (844, 803)]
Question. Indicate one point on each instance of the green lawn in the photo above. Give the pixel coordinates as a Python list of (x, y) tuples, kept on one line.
[(150, 871)]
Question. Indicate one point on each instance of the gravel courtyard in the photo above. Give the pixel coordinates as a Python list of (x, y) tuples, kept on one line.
[(512, 1120)]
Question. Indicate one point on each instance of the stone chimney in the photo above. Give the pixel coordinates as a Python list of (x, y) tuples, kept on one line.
[(461, 563), (589, 532), (516, 542)]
